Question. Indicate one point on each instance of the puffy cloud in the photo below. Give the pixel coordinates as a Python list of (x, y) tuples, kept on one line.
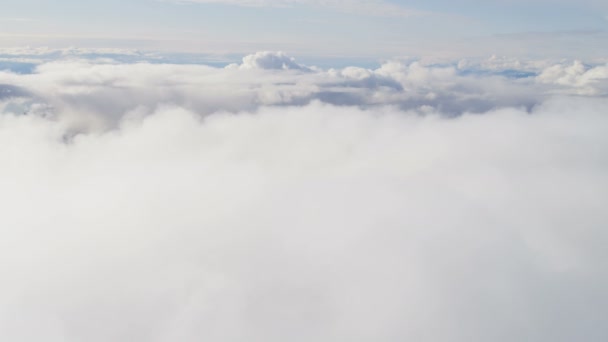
[(96, 93), (271, 201), (583, 79), (306, 223), (268, 60)]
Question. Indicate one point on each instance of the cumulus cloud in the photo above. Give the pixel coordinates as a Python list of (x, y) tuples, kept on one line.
[(97, 93), (585, 80), (146, 202), (268, 60)]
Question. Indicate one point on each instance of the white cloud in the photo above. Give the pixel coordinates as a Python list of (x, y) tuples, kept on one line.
[(145, 202), (586, 80), (105, 89), (268, 60), (312, 223)]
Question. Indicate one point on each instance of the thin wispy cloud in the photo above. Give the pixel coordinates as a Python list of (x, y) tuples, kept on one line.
[(361, 7), (17, 20)]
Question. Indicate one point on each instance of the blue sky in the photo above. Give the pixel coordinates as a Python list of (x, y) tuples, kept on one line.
[(312, 27)]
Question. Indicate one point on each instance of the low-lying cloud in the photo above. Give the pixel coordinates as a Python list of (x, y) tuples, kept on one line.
[(97, 93), (149, 202)]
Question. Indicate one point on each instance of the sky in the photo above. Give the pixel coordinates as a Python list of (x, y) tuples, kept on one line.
[(303, 170), (365, 28)]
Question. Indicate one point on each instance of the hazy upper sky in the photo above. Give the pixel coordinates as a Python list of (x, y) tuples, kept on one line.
[(315, 27)]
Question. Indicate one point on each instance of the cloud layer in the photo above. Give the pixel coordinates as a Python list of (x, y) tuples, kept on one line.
[(150, 202), (96, 93)]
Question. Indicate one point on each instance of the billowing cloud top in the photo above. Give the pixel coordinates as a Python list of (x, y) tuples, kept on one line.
[(270, 61), (103, 90), (271, 201)]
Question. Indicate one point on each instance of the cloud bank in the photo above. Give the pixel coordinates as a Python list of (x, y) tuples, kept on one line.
[(147, 202), (96, 93)]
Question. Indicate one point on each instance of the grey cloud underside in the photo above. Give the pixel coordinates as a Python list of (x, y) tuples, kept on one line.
[(106, 91), (192, 203), (8, 91)]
